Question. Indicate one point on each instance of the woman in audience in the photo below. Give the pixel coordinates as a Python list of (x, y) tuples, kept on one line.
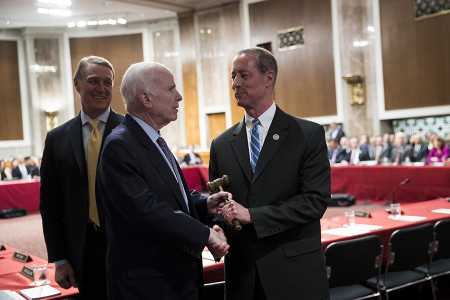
[(439, 153), (6, 170)]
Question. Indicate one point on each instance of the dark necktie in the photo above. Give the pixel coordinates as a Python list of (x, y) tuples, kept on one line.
[(162, 143)]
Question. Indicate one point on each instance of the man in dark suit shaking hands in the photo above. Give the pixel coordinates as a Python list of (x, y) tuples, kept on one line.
[(154, 235), (72, 222), (280, 180)]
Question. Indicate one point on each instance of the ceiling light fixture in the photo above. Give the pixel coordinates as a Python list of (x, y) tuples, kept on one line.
[(60, 3), (54, 12), (111, 21)]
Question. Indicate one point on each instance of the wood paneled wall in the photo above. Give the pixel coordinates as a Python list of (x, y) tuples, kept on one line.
[(416, 57), (190, 92), (306, 82), (120, 50), (11, 111), (216, 125)]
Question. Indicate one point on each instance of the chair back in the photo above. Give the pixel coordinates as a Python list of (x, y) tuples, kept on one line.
[(442, 239), (353, 261), (410, 248)]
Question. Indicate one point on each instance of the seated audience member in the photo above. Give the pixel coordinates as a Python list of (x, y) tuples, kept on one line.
[(20, 171), (439, 153), (378, 148), (191, 158), (386, 154), (335, 153), (356, 154), (335, 132), (417, 150), (399, 153), (365, 148), (32, 168), (7, 170), (345, 152)]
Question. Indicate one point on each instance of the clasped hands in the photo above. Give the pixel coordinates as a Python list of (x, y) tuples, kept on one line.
[(222, 203)]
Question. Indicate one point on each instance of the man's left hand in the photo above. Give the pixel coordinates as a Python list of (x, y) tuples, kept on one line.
[(235, 211), (216, 201)]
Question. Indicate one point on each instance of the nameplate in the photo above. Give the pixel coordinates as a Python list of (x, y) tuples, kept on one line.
[(27, 272), (2, 247), (22, 257)]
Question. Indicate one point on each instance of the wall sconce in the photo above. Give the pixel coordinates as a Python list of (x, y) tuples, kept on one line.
[(52, 119), (356, 83)]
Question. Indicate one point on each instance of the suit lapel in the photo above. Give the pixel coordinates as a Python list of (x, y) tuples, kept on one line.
[(113, 121), (278, 132), (156, 159), (239, 144), (76, 140)]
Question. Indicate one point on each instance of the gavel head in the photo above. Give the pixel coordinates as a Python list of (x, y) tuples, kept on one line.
[(218, 184)]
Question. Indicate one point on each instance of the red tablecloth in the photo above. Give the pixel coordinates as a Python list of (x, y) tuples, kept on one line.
[(20, 194), (11, 279), (381, 182), (196, 177), (369, 182), (213, 272)]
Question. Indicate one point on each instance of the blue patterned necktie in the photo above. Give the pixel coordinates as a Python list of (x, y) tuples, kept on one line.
[(168, 154), (255, 146)]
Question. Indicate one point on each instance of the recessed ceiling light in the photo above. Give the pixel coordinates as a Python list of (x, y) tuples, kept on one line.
[(61, 3), (122, 21), (81, 24), (55, 12), (92, 23), (71, 24)]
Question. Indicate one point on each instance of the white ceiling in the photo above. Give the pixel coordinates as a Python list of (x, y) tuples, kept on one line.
[(23, 13)]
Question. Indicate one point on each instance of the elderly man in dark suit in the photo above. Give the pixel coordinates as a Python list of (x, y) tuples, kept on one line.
[(280, 180), (155, 238), (72, 223)]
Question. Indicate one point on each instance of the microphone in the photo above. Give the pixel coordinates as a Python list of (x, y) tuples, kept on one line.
[(395, 190)]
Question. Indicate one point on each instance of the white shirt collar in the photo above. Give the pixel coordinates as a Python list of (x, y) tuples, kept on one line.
[(265, 118), (103, 117)]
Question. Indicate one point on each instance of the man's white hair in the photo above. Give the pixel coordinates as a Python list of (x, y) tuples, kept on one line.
[(139, 77)]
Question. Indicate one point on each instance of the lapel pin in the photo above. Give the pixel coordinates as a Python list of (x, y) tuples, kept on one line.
[(275, 137)]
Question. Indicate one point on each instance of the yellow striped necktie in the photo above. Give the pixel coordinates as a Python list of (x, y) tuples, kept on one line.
[(93, 149)]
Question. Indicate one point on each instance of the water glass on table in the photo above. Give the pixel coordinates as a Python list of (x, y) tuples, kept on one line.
[(349, 218), (395, 210)]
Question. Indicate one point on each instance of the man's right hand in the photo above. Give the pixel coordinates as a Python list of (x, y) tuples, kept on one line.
[(64, 275), (217, 242)]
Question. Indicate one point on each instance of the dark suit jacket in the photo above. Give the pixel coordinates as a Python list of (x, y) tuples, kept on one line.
[(154, 243), (287, 196), (64, 192), (15, 173)]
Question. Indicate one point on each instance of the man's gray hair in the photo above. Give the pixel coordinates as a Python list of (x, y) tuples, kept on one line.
[(265, 61), (96, 60), (138, 77)]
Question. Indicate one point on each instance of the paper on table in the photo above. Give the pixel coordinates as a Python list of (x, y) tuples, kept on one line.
[(442, 211), (39, 292), (9, 295), (406, 218), (352, 230), (207, 255)]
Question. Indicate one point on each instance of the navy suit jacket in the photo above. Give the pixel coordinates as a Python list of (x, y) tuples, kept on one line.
[(154, 242)]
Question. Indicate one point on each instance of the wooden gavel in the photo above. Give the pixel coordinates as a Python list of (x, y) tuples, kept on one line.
[(216, 186)]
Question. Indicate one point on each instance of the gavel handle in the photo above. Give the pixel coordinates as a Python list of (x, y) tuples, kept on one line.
[(235, 223)]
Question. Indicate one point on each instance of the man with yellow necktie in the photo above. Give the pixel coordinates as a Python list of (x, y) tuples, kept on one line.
[(72, 222)]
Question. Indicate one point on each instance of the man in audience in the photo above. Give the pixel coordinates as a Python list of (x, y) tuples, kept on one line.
[(72, 222), (20, 171), (417, 151), (191, 158), (280, 177), (155, 239), (399, 153), (335, 132), (386, 154), (32, 168)]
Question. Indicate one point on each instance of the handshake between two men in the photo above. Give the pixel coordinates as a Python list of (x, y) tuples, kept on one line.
[(221, 203)]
